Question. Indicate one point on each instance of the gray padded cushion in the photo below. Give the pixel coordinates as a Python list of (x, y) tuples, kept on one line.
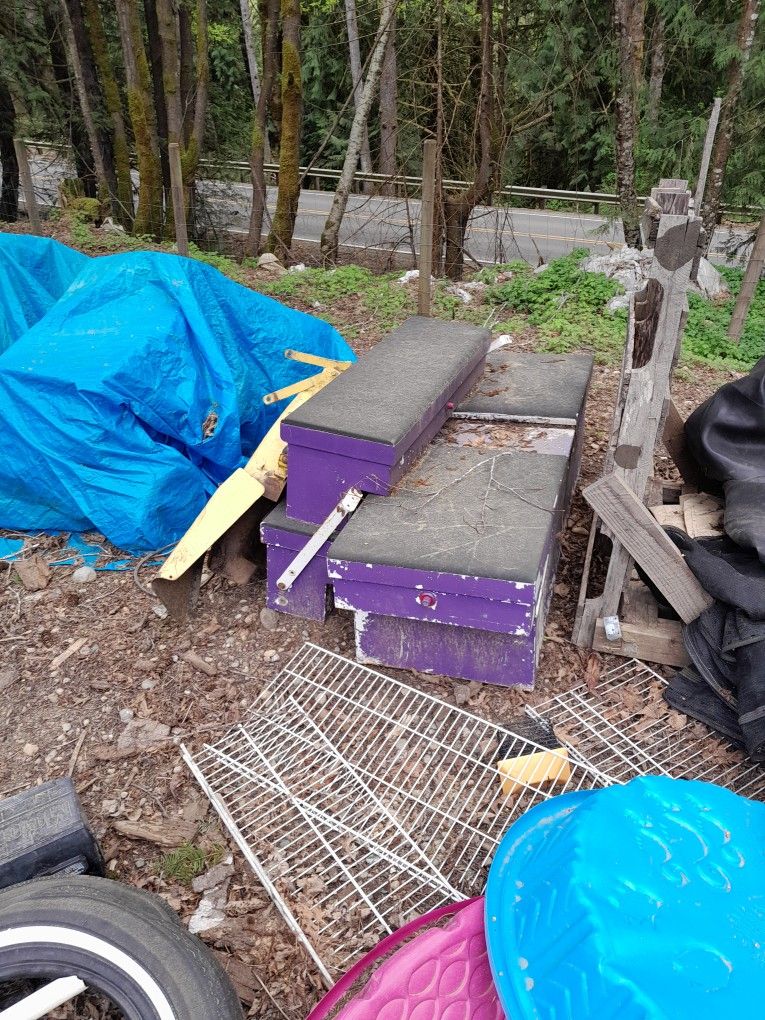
[(444, 517), (389, 390), (518, 385)]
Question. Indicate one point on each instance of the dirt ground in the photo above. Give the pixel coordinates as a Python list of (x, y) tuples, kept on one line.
[(80, 665)]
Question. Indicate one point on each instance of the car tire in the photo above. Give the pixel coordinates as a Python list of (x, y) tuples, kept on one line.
[(126, 944)]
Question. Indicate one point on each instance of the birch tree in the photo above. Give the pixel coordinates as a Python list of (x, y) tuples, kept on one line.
[(747, 26), (354, 53), (629, 18), (252, 65), (331, 234)]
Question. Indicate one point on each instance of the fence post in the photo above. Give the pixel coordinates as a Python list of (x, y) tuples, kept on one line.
[(30, 201), (748, 285), (179, 203), (426, 224)]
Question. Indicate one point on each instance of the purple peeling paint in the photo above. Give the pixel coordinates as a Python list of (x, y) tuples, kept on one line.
[(449, 651), (308, 597), (324, 465)]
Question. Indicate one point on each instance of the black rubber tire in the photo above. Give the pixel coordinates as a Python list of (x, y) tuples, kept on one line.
[(178, 978)]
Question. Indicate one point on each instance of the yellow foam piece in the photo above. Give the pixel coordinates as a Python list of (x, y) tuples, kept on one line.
[(540, 768)]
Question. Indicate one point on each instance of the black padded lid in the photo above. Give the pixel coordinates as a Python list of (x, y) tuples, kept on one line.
[(278, 518), (385, 394), (522, 386), (462, 512)]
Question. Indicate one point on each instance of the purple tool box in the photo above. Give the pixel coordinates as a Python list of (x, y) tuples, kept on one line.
[(310, 595), (369, 425), (453, 572)]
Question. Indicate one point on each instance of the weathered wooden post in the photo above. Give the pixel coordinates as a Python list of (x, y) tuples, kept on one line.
[(27, 184), (748, 285), (706, 155), (426, 224), (179, 203)]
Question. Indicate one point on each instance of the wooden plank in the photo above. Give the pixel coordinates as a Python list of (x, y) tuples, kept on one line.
[(179, 201), (582, 632), (748, 285), (706, 154), (703, 515), (644, 540), (673, 437), (25, 175), (660, 642), (669, 515), (426, 225), (638, 605)]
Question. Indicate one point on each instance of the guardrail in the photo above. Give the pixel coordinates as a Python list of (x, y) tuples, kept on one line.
[(226, 169)]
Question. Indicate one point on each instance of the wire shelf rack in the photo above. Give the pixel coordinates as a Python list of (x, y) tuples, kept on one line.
[(361, 802), (624, 728)]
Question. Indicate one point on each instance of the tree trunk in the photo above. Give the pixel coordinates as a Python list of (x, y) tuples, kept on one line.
[(9, 193), (388, 162), (58, 82), (459, 206), (280, 237), (187, 70), (123, 205), (658, 63), (148, 218), (252, 65), (747, 27), (330, 236), (629, 18), (88, 90), (153, 36), (354, 53), (193, 151), (269, 21)]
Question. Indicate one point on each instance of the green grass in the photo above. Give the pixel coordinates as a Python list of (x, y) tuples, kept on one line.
[(188, 861)]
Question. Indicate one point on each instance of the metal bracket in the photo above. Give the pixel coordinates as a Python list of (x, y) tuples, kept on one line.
[(612, 628), (346, 506)]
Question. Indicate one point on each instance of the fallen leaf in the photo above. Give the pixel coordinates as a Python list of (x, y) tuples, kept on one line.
[(34, 572)]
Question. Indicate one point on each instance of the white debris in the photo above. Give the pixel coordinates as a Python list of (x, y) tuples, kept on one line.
[(299, 268), (618, 302), (475, 286), (710, 284), (409, 276), (461, 293), (626, 266), (214, 884), (542, 268), (503, 340)]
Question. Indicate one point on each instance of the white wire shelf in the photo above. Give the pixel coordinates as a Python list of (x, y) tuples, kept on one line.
[(361, 802), (624, 728)]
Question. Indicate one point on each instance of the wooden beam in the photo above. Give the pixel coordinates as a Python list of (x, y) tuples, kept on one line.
[(661, 641), (748, 285), (707, 155), (645, 541), (676, 445), (179, 201), (25, 174), (426, 225)]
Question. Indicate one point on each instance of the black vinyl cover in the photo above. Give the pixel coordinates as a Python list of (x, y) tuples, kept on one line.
[(726, 435)]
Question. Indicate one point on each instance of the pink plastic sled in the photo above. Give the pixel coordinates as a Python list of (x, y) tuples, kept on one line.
[(442, 973)]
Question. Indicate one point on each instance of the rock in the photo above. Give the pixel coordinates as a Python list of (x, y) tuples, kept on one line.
[(30, 750), (207, 915), (460, 293), (214, 876), (34, 572), (141, 735), (84, 575), (126, 714), (503, 340), (159, 610), (626, 266), (710, 284), (271, 655), (618, 302), (267, 258), (269, 619), (271, 264), (9, 675)]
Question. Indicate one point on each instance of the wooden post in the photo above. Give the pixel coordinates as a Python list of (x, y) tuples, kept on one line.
[(748, 285), (28, 185), (706, 155), (179, 203), (426, 224)]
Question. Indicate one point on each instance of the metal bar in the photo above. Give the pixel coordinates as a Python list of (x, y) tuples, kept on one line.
[(41, 1002), (323, 533), (706, 155)]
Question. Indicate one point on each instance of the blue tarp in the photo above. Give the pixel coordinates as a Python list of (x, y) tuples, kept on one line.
[(34, 273), (138, 391)]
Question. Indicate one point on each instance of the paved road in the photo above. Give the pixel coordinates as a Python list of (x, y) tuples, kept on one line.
[(392, 225)]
